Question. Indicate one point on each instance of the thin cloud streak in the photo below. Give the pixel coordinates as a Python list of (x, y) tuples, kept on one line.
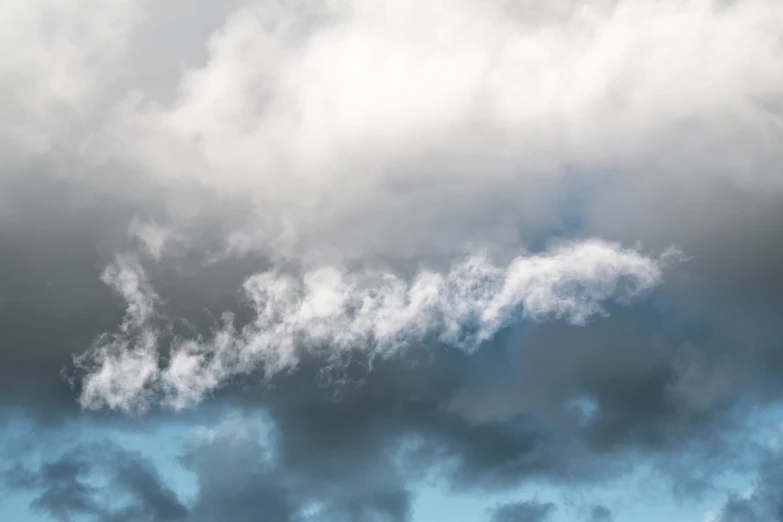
[(330, 312)]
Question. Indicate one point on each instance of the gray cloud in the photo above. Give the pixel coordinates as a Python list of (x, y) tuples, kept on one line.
[(239, 473), (65, 487), (765, 500), (525, 511)]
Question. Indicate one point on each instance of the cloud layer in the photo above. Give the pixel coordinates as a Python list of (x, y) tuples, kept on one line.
[(439, 226), (347, 129)]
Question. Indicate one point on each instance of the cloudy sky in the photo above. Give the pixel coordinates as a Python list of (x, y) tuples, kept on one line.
[(391, 261)]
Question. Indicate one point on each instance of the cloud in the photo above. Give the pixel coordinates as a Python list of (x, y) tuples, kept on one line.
[(127, 361), (235, 474), (525, 511), (319, 171), (333, 312), (240, 471), (58, 77), (233, 462), (765, 500), (153, 239), (309, 129), (600, 513), (98, 481)]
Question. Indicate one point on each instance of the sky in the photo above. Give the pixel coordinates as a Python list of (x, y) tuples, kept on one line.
[(391, 261)]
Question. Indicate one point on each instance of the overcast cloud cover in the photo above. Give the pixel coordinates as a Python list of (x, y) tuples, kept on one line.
[(521, 251)]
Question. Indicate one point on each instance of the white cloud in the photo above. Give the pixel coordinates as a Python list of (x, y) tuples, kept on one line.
[(122, 366), (58, 61), (404, 129), (330, 311), (155, 240), (452, 121)]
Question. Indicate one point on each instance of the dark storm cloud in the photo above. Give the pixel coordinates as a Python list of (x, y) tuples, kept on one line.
[(87, 481), (234, 477), (50, 302), (628, 379), (240, 474), (524, 511)]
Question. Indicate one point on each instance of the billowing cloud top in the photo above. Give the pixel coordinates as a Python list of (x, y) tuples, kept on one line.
[(346, 129)]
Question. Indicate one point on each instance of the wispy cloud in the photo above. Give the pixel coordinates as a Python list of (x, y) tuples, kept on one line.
[(125, 363), (331, 311)]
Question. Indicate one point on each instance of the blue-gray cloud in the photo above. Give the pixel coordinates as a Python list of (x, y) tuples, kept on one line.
[(524, 511), (100, 482)]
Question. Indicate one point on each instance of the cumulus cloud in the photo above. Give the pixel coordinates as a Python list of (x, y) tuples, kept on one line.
[(330, 119), (330, 312), (347, 129)]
